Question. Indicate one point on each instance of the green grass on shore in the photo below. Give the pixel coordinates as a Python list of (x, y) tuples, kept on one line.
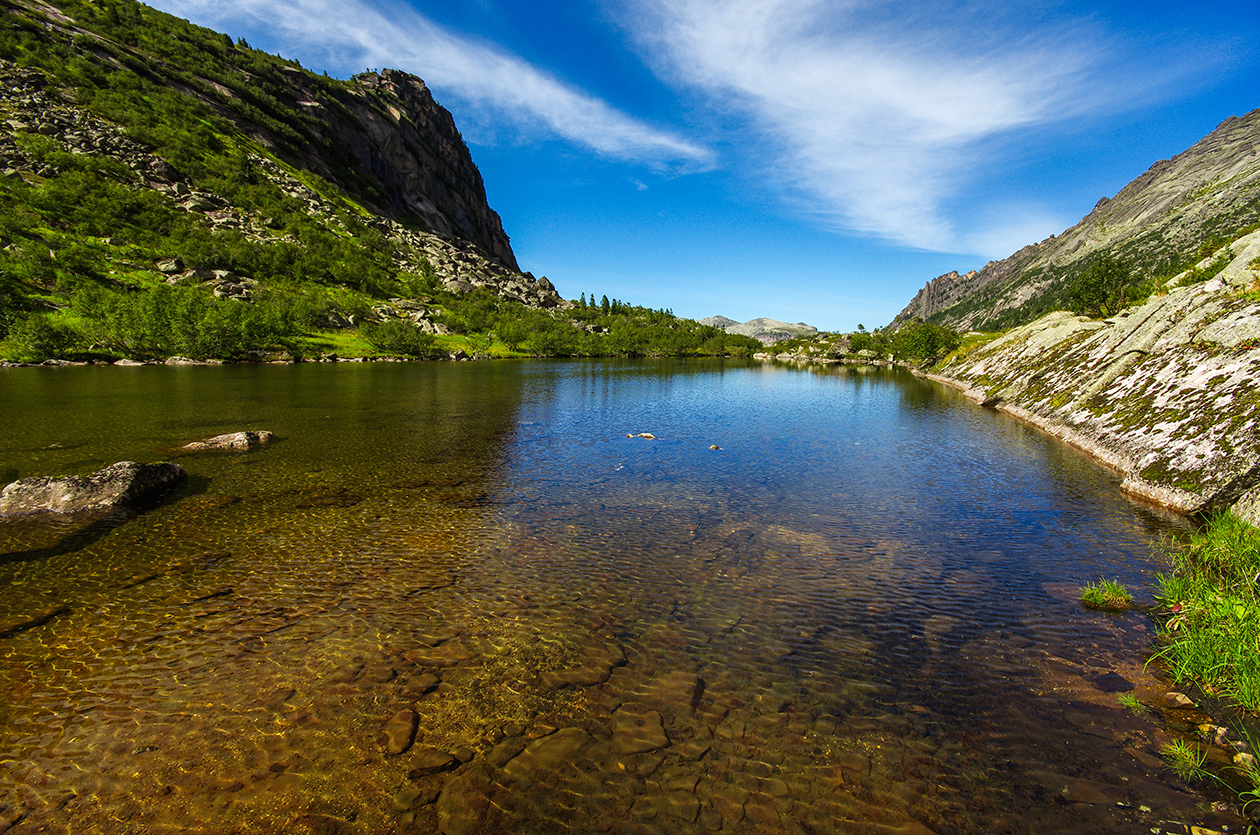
[(1211, 631)]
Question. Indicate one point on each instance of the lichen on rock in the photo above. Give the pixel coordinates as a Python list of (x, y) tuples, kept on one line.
[(1166, 392)]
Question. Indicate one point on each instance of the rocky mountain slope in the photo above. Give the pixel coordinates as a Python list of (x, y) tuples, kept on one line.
[(409, 146), (240, 143), (1166, 392), (1177, 212), (765, 331)]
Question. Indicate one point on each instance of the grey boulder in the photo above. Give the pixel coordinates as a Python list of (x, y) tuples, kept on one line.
[(231, 442), (119, 485)]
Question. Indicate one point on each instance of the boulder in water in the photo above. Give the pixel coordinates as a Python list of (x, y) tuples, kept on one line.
[(231, 442), (119, 485)]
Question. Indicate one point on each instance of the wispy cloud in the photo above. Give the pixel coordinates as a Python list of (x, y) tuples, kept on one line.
[(873, 112), (353, 34)]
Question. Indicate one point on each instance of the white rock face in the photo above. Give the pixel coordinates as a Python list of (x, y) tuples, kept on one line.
[(766, 331), (1168, 392)]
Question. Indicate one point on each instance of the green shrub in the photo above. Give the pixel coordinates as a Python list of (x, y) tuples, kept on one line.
[(37, 338), (396, 337), (168, 321), (1195, 275), (921, 342), (1103, 289)]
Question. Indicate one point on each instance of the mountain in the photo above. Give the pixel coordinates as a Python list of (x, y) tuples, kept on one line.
[(168, 192), (1174, 215), (765, 331), (214, 125)]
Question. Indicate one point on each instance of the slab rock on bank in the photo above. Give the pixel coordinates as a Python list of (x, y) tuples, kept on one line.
[(1167, 392)]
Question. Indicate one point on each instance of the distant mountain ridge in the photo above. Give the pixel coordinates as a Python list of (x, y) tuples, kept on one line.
[(765, 331), (1179, 211)]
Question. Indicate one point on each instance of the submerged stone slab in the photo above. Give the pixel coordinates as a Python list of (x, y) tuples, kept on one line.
[(124, 484), (545, 755), (463, 805), (636, 732), (400, 732)]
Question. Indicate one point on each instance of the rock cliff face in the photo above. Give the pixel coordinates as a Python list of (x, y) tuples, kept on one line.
[(1212, 189), (408, 144), (1168, 393)]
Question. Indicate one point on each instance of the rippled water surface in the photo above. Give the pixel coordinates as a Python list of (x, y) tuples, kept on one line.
[(458, 598)]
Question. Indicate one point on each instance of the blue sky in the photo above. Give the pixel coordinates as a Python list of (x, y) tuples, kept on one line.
[(805, 160)]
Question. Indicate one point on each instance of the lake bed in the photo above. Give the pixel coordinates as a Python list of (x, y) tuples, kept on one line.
[(457, 597)]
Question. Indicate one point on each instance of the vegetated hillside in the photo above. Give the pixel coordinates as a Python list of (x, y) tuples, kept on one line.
[(165, 190), (1172, 216)]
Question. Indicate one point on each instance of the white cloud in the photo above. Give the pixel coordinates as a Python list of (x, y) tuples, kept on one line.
[(354, 34), (873, 112)]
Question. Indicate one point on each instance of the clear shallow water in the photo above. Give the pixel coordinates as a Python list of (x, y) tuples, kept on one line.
[(858, 615)]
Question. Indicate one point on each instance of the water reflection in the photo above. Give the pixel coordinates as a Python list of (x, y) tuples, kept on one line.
[(459, 598)]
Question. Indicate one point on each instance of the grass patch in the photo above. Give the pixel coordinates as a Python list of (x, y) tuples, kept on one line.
[(1108, 595), (1185, 759), (1211, 629), (1132, 703)]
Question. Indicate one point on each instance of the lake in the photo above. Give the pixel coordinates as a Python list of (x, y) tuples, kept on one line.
[(457, 597)]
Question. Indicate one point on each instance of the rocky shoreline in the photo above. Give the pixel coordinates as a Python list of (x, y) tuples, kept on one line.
[(130, 363), (1167, 393)]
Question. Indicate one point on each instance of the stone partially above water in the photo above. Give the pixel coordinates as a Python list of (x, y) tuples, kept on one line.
[(230, 442), (124, 484)]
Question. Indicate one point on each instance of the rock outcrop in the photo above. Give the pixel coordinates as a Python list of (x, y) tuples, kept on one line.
[(1168, 393), (1211, 189), (410, 144), (121, 485), (765, 331)]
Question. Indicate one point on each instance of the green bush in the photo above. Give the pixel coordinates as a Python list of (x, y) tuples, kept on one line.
[(1195, 275), (922, 342), (38, 338), (169, 321), (396, 337), (1103, 289)]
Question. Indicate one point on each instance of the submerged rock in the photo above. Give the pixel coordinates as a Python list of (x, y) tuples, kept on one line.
[(124, 484), (230, 442), (464, 803), (545, 755), (636, 732), (400, 732), (426, 761)]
